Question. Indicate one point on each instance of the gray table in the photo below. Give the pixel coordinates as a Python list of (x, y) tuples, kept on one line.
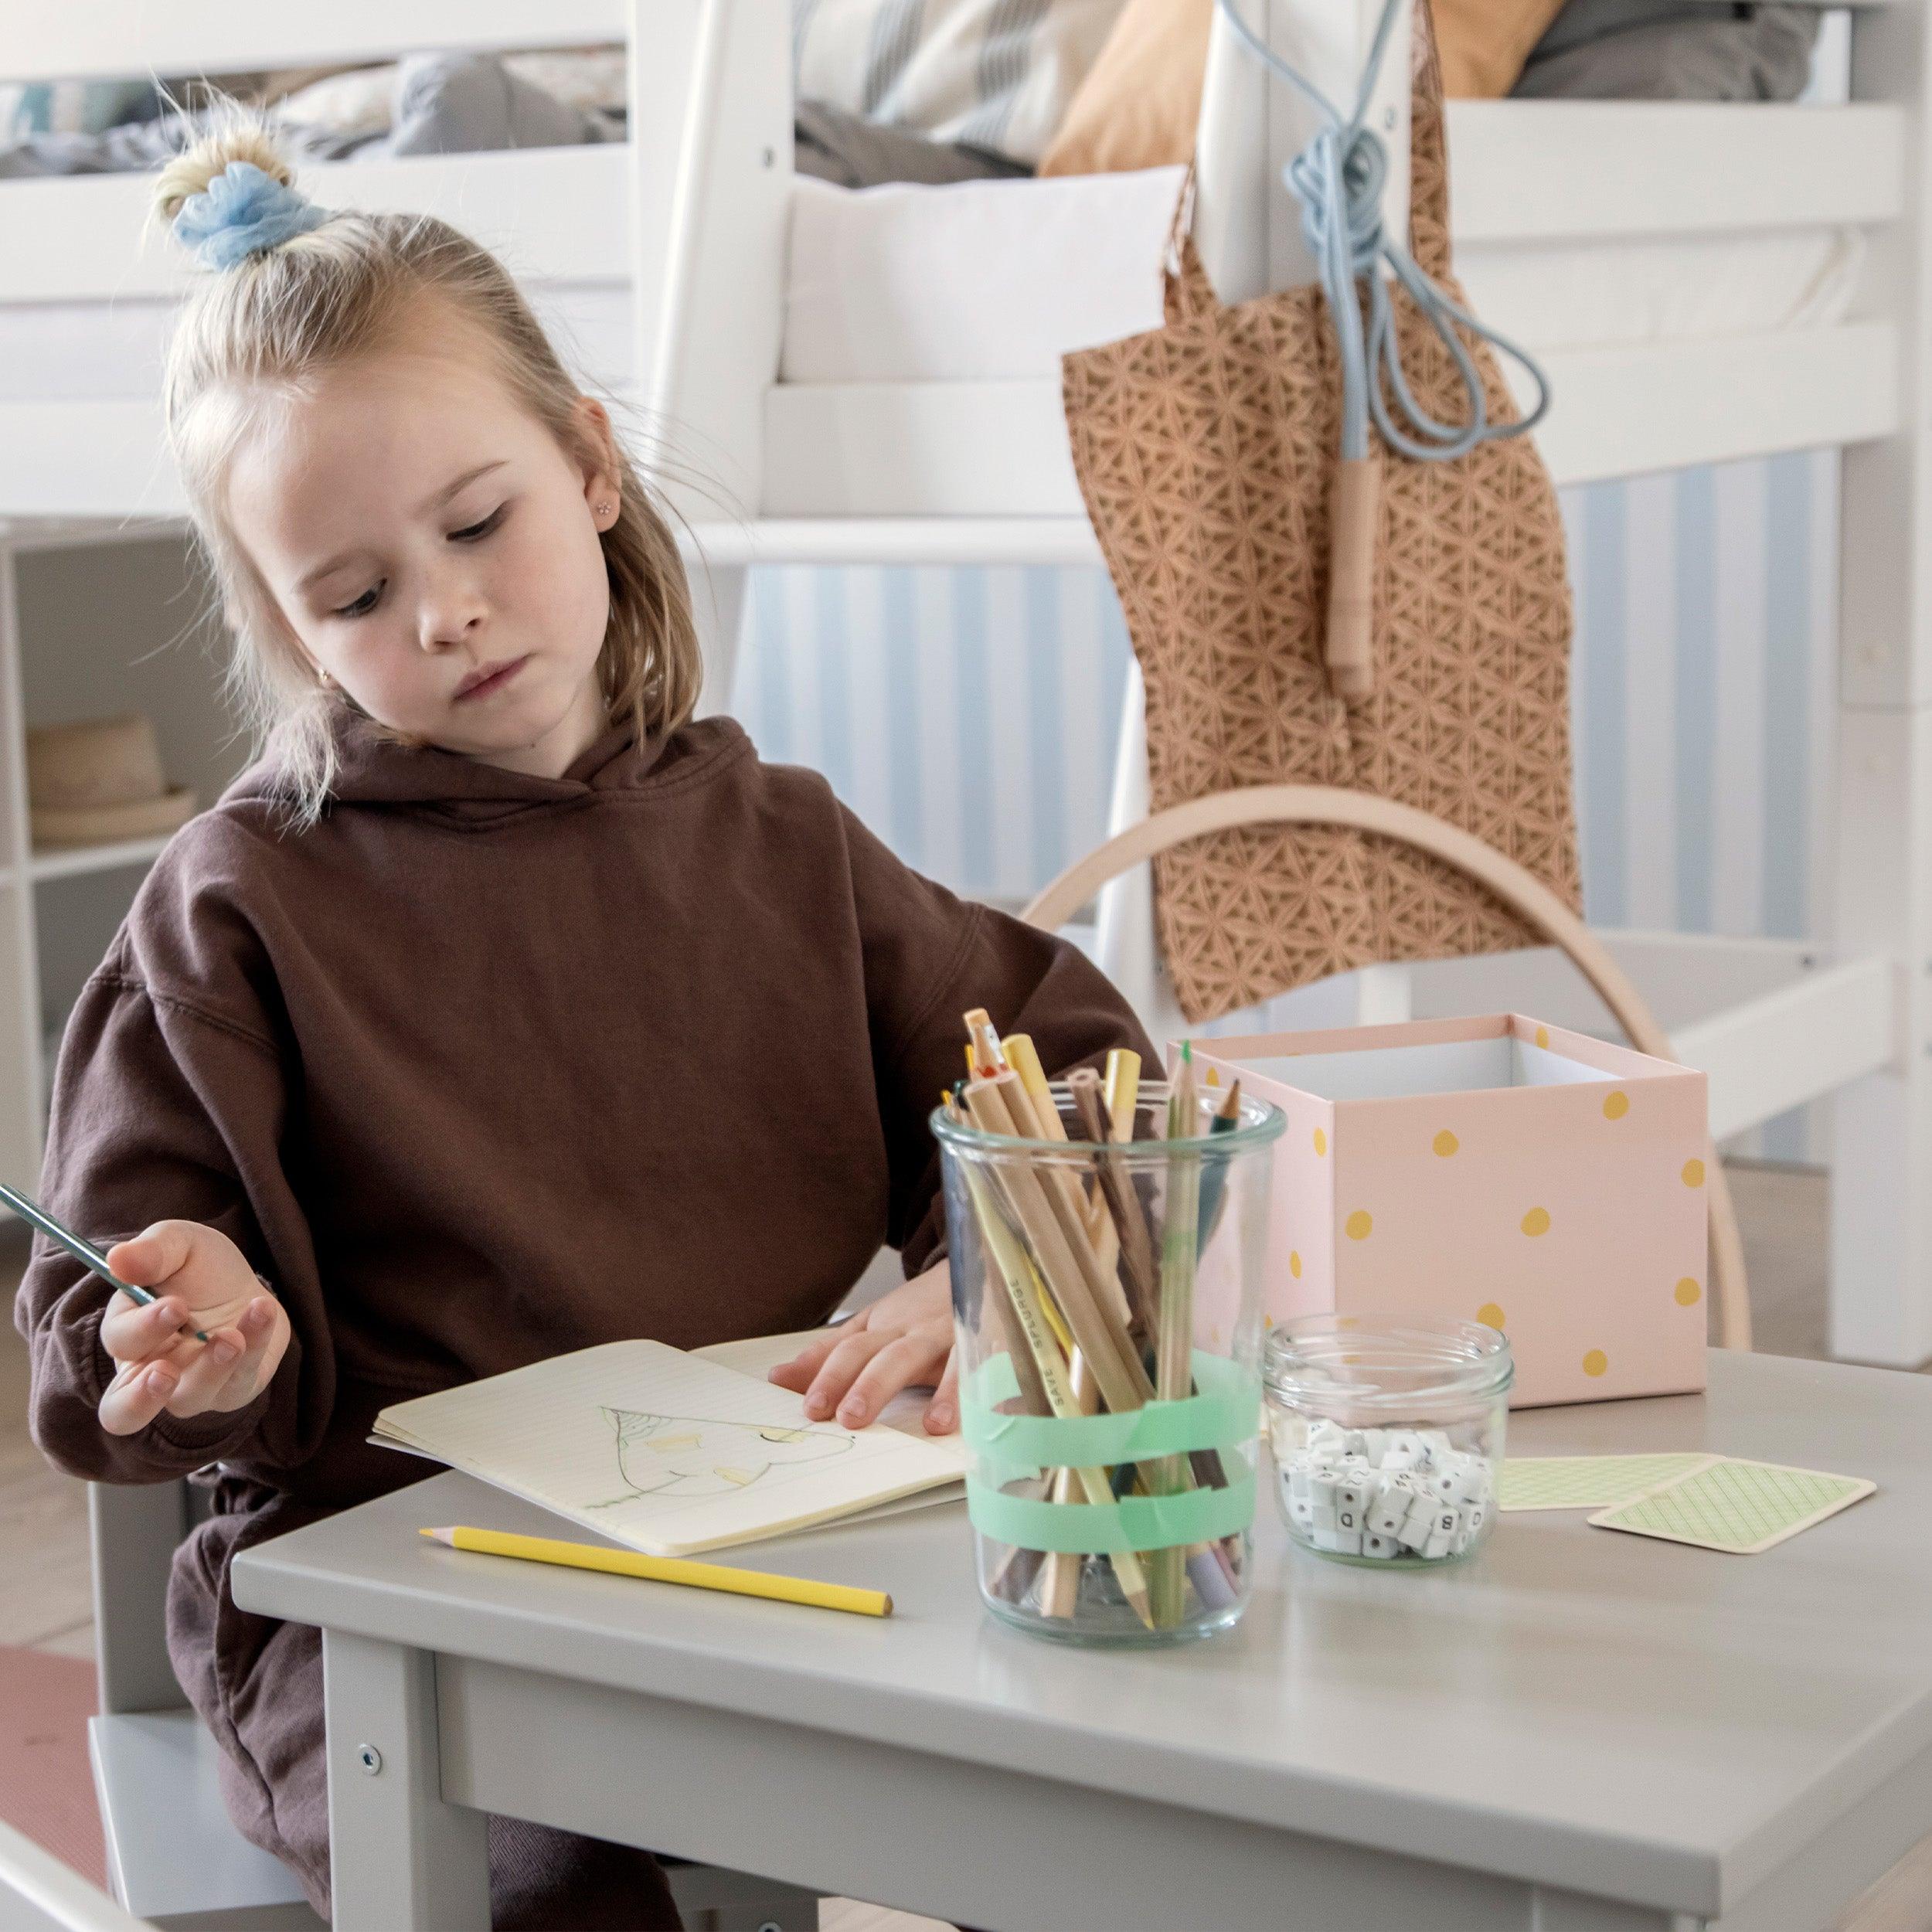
[(1579, 1731)]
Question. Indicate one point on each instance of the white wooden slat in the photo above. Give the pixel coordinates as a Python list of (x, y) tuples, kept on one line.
[(1672, 406), (112, 38), (1772, 1023), (1686, 978), (995, 449), (928, 449), (1795, 1045), (1540, 170), (553, 214)]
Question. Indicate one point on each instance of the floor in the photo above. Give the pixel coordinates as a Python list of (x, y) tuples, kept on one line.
[(45, 1604)]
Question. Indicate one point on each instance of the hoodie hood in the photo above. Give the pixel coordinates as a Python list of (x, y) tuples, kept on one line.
[(373, 768)]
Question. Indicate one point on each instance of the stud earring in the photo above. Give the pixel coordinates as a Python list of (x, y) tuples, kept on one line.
[(324, 679)]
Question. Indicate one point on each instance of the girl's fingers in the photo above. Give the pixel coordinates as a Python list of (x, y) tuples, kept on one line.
[(942, 1413), (259, 1330), (841, 1366), (154, 1254), (910, 1358), (205, 1372), (135, 1397), (797, 1374), (131, 1333)]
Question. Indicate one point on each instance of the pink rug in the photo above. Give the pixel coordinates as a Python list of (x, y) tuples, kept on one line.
[(46, 1788)]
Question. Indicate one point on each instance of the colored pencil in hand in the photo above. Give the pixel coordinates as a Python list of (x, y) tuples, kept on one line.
[(88, 1256)]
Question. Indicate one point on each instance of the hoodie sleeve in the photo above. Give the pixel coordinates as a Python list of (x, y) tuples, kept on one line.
[(167, 1105), (929, 958)]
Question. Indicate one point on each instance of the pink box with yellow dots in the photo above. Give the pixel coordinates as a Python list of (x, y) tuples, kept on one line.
[(1497, 1169)]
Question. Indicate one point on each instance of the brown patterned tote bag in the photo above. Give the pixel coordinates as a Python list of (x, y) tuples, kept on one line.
[(1208, 454)]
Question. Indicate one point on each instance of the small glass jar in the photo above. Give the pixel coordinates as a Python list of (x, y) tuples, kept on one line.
[(1388, 1435)]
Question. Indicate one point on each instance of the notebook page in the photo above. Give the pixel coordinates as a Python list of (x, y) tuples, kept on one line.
[(663, 1451)]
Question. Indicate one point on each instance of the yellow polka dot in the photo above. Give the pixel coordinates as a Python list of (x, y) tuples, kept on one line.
[(1214, 1077), (1616, 1106), (1536, 1221), (1693, 1173), (1446, 1144), (1294, 1264), (1320, 1141), (1359, 1224), (1268, 1321), (1687, 1292), (1490, 1315), (1595, 1362), (1542, 1035)]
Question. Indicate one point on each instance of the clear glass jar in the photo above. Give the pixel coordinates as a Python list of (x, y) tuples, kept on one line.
[(1116, 1505), (1387, 1435)]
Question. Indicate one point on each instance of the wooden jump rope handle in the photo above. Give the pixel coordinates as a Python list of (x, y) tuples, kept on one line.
[(1354, 500)]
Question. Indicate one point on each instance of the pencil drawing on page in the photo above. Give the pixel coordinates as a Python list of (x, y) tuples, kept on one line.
[(700, 1456)]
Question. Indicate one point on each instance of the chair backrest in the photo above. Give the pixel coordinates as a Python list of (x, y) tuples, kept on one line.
[(38, 1894), (1519, 889), (133, 1533)]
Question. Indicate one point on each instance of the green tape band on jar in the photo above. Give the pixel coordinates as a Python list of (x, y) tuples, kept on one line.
[(1224, 1415), (1135, 1522)]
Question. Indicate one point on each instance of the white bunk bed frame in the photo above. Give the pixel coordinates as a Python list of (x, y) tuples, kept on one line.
[(695, 210)]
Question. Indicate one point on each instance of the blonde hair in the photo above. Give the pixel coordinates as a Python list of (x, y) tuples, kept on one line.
[(343, 289)]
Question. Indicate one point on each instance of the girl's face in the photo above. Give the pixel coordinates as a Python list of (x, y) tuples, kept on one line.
[(435, 552)]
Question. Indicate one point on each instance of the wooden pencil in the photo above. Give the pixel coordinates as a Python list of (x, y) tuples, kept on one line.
[(1135, 1246), (1174, 1349)]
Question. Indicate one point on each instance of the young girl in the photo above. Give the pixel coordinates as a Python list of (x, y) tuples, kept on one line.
[(499, 1009)]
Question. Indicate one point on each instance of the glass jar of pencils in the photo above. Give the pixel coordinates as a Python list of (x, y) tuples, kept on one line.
[(1107, 1271)]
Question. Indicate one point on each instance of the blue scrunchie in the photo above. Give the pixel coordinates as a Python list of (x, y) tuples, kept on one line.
[(243, 212)]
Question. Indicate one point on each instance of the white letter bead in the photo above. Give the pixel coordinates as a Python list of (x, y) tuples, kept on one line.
[(1353, 1491), (1348, 1542), (1387, 1515), (1374, 1544), (1326, 1438)]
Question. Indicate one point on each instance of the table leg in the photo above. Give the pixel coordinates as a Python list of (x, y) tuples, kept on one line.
[(402, 1860)]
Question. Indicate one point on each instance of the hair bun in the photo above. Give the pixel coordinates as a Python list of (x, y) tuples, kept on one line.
[(231, 195)]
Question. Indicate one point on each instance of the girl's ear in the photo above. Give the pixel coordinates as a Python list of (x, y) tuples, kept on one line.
[(598, 459)]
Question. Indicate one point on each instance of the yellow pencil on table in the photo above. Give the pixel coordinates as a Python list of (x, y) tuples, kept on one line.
[(666, 1569)]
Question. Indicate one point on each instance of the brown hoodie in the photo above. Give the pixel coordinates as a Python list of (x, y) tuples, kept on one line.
[(481, 1069), (485, 1067)]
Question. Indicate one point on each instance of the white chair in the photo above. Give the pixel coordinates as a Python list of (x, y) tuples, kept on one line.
[(174, 1858), (38, 1894)]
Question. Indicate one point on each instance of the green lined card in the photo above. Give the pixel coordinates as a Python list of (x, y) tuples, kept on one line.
[(1742, 1507), (1588, 1482)]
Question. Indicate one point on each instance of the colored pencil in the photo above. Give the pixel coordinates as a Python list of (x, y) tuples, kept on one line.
[(1174, 1346), (666, 1569), (83, 1252), (1214, 1172)]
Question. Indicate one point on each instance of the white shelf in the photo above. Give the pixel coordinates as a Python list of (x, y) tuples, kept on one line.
[(68, 861)]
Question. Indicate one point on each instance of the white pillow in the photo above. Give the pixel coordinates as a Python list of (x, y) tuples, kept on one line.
[(991, 74)]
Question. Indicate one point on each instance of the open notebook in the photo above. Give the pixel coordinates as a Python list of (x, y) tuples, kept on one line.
[(673, 1453)]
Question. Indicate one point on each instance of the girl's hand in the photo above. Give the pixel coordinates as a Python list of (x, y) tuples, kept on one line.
[(201, 1281), (902, 1340)]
